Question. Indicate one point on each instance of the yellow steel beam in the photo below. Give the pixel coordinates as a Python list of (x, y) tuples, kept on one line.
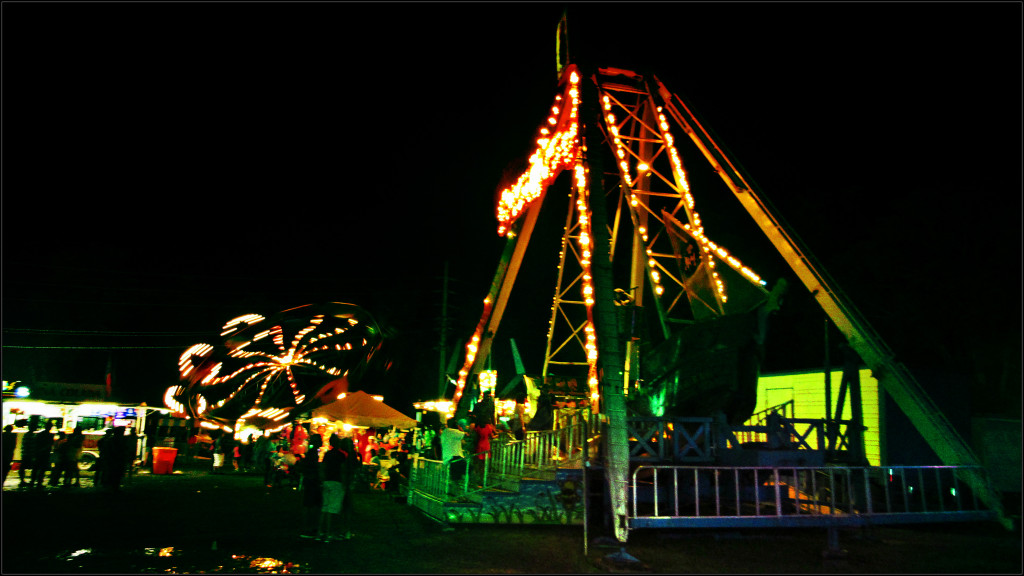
[(895, 378)]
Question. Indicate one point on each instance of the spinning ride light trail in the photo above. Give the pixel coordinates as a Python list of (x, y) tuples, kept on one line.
[(279, 367)]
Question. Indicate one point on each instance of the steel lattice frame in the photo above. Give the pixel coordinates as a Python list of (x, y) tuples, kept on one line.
[(568, 311), (652, 200)]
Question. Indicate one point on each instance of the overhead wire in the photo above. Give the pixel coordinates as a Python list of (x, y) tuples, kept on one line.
[(49, 331), (98, 333), (95, 347), (63, 332)]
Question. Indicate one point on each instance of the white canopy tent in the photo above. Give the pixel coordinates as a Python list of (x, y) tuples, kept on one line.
[(361, 409)]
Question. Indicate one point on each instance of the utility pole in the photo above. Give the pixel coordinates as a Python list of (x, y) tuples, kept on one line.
[(830, 427), (442, 377), (613, 401)]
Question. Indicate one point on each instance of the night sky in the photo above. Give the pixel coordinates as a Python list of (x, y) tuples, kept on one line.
[(170, 166)]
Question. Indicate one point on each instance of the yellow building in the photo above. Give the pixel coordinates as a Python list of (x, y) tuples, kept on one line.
[(806, 390)]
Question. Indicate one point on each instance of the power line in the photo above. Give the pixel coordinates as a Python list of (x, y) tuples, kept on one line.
[(218, 304), (57, 332), (146, 304), (96, 347), (200, 276)]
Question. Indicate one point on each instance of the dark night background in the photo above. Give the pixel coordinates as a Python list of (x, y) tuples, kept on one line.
[(170, 166)]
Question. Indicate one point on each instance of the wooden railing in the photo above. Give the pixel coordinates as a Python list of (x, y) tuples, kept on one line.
[(676, 440), (786, 410), (793, 433)]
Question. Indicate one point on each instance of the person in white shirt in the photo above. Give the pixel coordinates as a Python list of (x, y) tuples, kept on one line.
[(451, 448), (385, 462)]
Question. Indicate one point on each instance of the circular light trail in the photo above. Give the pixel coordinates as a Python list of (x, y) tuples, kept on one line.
[(279, 367)]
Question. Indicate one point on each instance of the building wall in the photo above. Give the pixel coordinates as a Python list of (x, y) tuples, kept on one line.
[(807, 391)]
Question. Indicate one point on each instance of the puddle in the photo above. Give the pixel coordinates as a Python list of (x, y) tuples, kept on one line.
[(263, 565), (168, 560), (75, 554)]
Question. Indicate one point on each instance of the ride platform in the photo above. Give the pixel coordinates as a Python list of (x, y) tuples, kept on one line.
[(541, 497)]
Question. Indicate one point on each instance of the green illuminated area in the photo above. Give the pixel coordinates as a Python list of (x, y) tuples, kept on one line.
[(806, 391)]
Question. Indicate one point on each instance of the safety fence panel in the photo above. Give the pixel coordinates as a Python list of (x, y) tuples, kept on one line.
[(504, 463), (541, 450), (429, 477), (694, 496)]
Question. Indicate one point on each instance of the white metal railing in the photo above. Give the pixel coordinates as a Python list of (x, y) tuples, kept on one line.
[(736, 496), (429, 477), (540, 450), (508, 462), (434, 478)]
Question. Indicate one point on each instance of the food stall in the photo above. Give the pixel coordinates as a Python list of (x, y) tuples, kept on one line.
[(67, 406)]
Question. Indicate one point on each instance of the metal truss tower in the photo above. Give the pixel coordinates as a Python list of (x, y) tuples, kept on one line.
[(633, 240)]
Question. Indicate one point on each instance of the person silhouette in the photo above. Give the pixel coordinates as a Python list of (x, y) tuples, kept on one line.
[(103, 463), (332, 488), (349, 472), (113, 473), (41, 448), (10, 442), (27, 454), (76, 442), (60, 458), (312, 495), (131, 451)]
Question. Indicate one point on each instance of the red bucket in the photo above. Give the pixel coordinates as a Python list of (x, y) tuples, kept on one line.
[(163, 460)]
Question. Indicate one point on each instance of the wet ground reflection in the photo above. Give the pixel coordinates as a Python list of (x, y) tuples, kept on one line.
[(166, 560)]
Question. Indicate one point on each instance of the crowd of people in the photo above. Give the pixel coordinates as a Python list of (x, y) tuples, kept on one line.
[(60, 456), (325, 464)]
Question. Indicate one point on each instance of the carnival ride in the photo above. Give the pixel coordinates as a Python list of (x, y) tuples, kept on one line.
[(256, 373), (654, 316)]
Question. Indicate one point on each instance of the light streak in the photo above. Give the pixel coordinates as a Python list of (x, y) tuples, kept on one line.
[(281, 373), (554, 152)]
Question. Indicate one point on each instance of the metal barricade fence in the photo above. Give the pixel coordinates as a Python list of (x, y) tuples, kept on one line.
[(435, 479), (543, 450), (429, 477), (739, 496)]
